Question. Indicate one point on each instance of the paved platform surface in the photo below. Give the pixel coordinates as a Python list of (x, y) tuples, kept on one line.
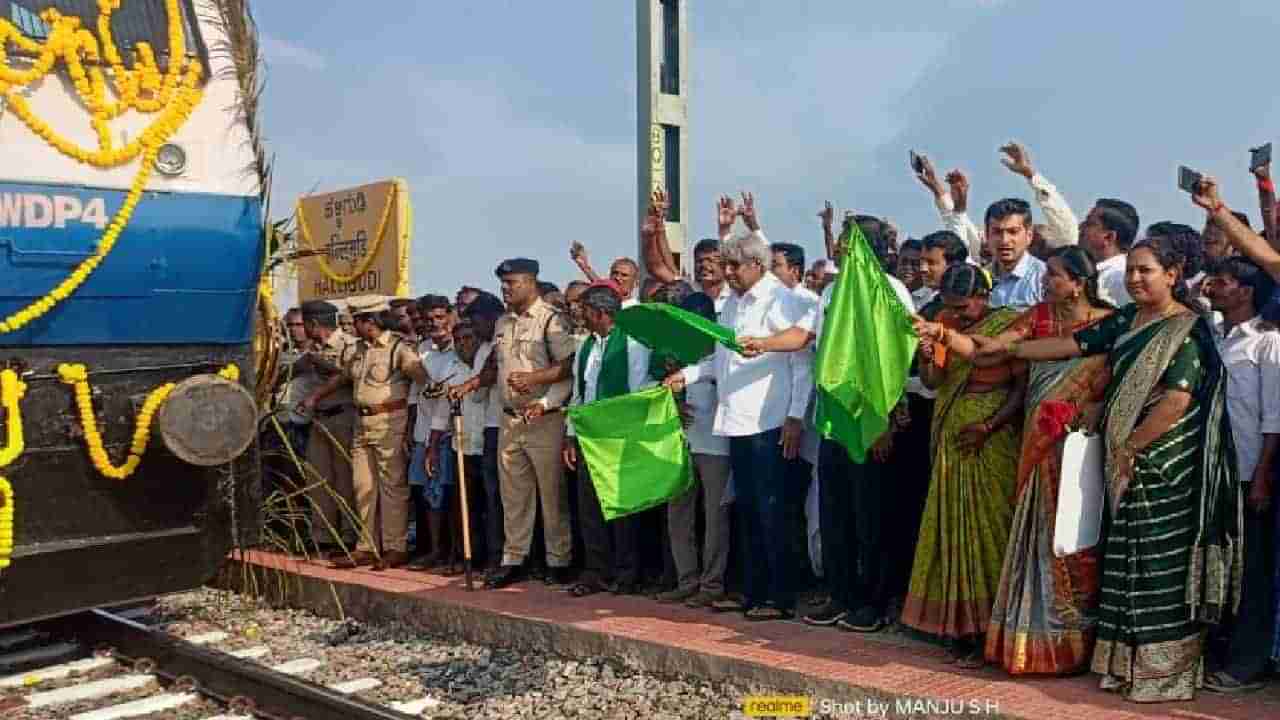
[(825, 664)]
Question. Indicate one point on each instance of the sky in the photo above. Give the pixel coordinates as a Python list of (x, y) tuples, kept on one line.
[(514, 122)]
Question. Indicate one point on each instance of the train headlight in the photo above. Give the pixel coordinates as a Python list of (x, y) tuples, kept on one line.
[(171, 160)]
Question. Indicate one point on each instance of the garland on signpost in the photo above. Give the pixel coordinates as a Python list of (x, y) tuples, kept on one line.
[(369, 257), (173, 95)]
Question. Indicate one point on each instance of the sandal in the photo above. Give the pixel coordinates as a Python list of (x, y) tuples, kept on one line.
[(1226, 683), (763, 613)]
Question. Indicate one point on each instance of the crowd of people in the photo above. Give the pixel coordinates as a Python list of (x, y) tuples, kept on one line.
[(1162, 340)]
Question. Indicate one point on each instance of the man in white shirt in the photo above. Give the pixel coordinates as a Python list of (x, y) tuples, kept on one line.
[(1061, 228), (607, 364), (1250, 349), (788, 267), (482, 313), (710, 454), (625, 273), (859, 505), (761, 409), (1106, 233), (472, 355), (432, 471), (708, 269)]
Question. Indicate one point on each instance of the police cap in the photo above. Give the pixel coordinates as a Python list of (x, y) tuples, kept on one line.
[(318, 309), (517, 266)]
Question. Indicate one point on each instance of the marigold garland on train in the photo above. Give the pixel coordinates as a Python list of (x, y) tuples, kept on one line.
[(77, 376), (174, 96), (11, 391)]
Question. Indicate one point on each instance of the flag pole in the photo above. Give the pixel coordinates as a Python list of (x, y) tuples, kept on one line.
[(455, 409)]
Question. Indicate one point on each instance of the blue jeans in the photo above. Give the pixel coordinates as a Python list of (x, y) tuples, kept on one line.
[(759, 478)]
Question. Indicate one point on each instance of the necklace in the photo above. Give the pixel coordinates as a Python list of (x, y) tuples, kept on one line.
[(1140, 321)]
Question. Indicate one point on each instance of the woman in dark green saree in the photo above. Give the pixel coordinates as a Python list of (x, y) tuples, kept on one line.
[(1172, 556)]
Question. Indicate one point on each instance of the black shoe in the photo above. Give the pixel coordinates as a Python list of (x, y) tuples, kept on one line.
[(557, 576), (502, 577), (829, 614), (865, 620)]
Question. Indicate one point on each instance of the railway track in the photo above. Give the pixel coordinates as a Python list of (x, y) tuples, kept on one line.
[(110, 665)]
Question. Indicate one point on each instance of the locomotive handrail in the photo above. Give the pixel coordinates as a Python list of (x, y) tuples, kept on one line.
[(17, 250), (137, 369)]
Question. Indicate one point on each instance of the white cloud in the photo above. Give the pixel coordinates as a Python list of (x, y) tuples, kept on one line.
[(287, 53)]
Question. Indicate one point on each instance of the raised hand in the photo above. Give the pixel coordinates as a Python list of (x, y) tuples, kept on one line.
[(1262, 172), (959, 185), (1018, 160), (577, 252), (827, 215), (1206, 194), (725, 214), (748, 212), (655, 219), (928, 176)]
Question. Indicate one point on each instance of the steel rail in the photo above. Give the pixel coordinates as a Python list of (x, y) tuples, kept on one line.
[(247, 687)]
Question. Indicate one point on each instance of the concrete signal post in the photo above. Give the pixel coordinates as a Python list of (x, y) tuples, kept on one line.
[(662, 123)]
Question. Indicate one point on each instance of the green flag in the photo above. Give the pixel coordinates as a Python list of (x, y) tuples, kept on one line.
[(667, 329), (634, 446), (864, 353)]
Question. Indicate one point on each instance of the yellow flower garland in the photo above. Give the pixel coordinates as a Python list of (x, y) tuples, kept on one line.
[(11, 391), (174, 95), (372, 255), (77, 376)]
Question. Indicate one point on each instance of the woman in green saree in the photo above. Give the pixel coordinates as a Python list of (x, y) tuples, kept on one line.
[(1172, 556), (1044, 615), (974, 440)]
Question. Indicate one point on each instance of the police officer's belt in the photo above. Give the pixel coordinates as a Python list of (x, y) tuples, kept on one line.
[(512, 412), (332, 411), (380, 408)]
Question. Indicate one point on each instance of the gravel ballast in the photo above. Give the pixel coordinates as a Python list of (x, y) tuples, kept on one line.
[(467, 680)]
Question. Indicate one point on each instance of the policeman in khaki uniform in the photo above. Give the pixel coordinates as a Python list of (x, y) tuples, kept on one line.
[(380, 372), (531, 337), (329, 447)]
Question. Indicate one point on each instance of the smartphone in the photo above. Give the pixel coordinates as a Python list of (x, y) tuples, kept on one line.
[(917, 162), (1260, 156), (1188, 179)]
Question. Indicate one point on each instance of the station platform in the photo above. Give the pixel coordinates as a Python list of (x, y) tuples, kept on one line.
[(879, 675)]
